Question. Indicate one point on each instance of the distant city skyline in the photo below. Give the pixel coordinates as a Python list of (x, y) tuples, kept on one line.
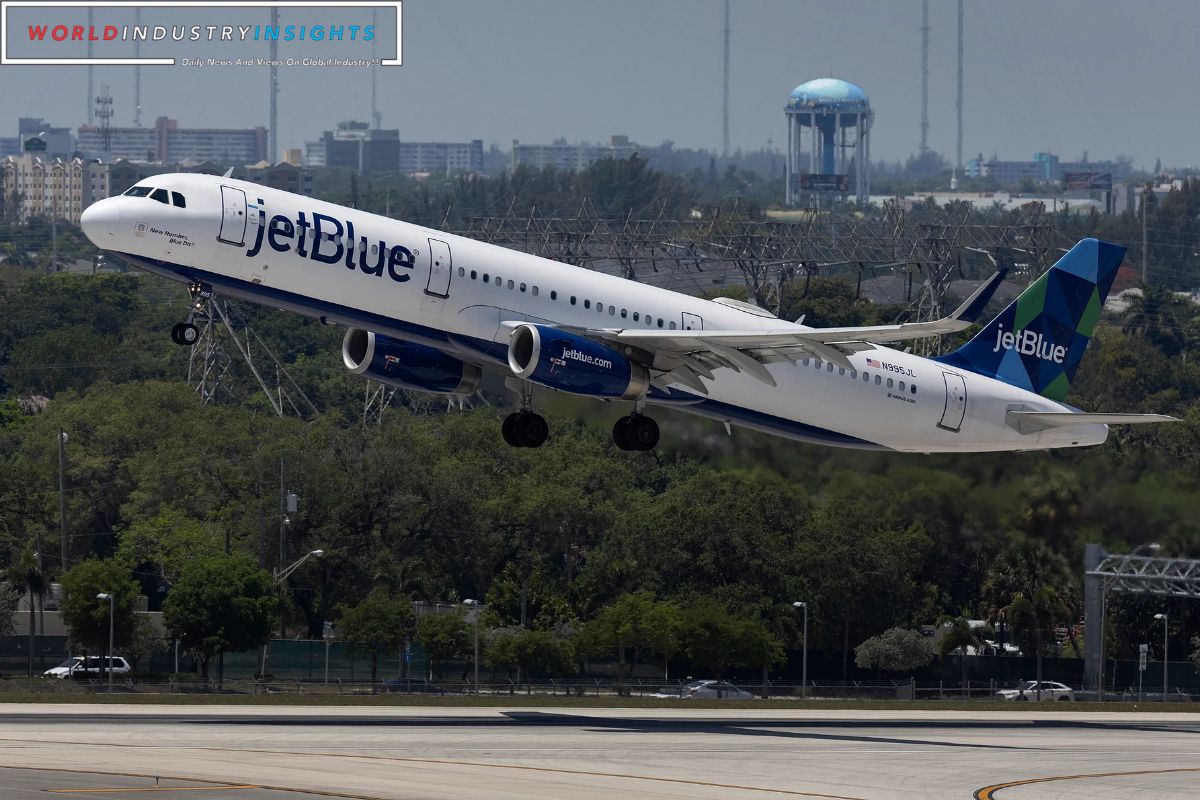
[(1063, 77)]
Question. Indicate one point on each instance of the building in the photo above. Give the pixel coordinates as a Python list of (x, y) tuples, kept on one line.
[(50, 188), (357, 146), (167, 143), (441, 157), (284, 176), (51, 141), (828, 137), (561, 155), (1044, 168)]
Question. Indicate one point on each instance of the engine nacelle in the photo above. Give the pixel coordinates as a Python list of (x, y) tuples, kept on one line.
[(569, 363), (407, 365)]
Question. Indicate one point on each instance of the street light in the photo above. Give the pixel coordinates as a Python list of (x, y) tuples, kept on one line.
[(280, 576), (476, 605), (1163, 617), (111, 606), (804, 657), (62, 493), (1107, 583)]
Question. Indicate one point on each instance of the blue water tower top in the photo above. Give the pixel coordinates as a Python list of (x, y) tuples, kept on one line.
[(828, 94)]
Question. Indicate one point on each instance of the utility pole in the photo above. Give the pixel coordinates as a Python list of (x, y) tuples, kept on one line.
[(924, 75), (725, 91), (1146, 195), (62, 497), (137, 72), (958, 147)]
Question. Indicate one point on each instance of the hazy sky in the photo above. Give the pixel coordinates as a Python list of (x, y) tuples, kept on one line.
[(1109, 76)]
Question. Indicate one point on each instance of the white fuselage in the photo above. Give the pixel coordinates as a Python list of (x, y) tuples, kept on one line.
[(460, 295)]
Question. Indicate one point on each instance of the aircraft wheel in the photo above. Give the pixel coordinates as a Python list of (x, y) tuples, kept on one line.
[(506, 430), (530, 430), (185, 333), (641, 432), (620, 433)]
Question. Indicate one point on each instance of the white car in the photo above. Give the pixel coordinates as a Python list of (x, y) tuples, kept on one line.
[(89, 665), (1050, 690), (706, 690)]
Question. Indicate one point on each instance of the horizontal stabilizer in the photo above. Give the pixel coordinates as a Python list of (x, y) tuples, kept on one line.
[(1037, 421)]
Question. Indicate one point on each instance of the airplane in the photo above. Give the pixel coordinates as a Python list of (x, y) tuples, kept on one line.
[(430, 311)]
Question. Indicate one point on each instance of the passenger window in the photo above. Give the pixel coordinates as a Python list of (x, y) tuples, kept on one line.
[(179, 202), (587, 303), (636, 316), (841, 370), (890, 383), (829, 368), (161, 196), (554, 294), (535, 291), (600, 307), (485, 277), (805, 362), (912, 389), (499, 281), (474, 274), (877, 380), (672, 326), (510, 283), (660, 322), (902, 386), (853, 374), (866, 378), (572, 299), (624, 313), (817, 363), (375, 251), (461, 272)]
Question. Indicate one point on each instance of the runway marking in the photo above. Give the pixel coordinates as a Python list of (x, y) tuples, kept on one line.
[(988, 792), (217, 785), (156, 789), (448, 762)]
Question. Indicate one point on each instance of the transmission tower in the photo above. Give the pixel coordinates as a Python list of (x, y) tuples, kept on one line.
[(104, 113)]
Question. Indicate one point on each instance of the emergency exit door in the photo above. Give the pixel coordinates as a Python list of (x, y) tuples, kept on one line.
[(440, 267), (956, 402)]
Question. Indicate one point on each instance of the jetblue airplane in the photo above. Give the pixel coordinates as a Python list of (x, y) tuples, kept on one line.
[(430, 311)]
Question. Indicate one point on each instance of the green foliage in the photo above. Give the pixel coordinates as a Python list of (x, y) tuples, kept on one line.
[(169, 541), (894, 650), (959, 636), (529, 651), (443, 636), (377, 624), (221, 604), (86, 617)]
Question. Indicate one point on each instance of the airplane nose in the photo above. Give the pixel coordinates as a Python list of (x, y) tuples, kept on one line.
[(100, 222)]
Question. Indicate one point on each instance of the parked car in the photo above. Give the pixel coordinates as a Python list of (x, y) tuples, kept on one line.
[(89, 666), (1050, 690), (706, 690), (412, 686)]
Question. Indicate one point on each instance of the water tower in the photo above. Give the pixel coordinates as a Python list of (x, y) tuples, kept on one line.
[(829, 129)]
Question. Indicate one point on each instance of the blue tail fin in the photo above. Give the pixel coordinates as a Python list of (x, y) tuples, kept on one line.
[(1038, 341)]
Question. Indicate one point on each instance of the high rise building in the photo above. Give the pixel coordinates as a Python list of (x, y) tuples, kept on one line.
[(561, 155), (168, 143), (441, 157)]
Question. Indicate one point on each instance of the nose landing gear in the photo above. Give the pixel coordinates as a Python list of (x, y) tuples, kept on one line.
[(636, 432), (186, 333)]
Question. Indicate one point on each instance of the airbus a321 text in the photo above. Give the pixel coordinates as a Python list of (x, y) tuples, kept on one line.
[(431, 312)]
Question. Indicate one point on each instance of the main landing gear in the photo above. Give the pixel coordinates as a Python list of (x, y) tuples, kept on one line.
[(636, 432), (525, 428), (186, 333)]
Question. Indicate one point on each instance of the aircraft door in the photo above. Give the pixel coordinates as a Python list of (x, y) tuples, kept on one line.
[(233, 216), (692, 322), (956, 402), (440, 267)]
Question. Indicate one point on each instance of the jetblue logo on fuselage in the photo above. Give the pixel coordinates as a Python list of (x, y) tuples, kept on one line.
[(1029, 343), (328, 240)]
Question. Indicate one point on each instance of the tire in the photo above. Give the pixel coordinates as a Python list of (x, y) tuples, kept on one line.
[(530, 430), (642, 433), (620, 433), (507, 431), (185, 333)]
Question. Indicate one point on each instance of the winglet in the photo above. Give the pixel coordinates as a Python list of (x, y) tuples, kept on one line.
[(974, 305)]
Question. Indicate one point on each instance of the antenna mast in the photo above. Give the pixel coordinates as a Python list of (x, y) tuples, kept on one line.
[(725, 95), (924, 75)]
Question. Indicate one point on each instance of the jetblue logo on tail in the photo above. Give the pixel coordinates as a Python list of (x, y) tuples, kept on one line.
[(1029, 343)]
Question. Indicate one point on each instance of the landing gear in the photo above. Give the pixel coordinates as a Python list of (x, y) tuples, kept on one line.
[(636, 432), (525, 429), (185, 333)]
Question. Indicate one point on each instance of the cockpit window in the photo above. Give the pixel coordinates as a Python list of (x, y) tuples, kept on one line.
[(178, 200), (139, 191), (161, 196)]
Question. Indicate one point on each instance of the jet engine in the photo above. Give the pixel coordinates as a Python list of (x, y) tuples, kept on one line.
[(407, 365), (567, 362)]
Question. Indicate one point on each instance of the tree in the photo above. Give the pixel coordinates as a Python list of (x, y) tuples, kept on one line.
[(528, 650), (24, 576), (894, 650), (959, 637), (378, 624), (1158, 315), (146, 640), (710, 635), (664, 631), (169, 541), (444, 636), (221, 604), (86, 617), (1195, 656)]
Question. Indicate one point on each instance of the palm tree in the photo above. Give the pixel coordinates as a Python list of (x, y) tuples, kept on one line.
[(1157, 315), (25, 575)]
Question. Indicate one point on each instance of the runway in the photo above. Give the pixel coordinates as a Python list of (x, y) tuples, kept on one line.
[(269, 753)]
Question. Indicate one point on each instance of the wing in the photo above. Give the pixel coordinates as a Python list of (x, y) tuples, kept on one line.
[(1037, 421), (689, 357)]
